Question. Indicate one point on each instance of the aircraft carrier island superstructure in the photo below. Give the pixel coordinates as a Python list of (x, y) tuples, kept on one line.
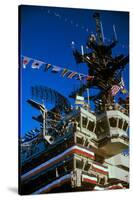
[(78, 148)]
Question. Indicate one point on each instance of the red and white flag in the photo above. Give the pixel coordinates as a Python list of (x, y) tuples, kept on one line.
[(26, 60), (72, 74)]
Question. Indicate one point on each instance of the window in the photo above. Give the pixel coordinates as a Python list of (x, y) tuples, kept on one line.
[(78, 120), (102, 126), (90, 126), (102, 181), (61, 170), (125, 126), (84, 122), (70, 166), (113, 122), (79, 140), (120, 123), (86, 143), (87, 166), (79, 164)]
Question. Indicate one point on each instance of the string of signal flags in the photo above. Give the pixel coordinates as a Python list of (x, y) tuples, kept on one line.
[(71, 22), (65, 72)]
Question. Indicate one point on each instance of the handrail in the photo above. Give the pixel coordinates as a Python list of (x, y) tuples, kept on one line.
[(116, 106)]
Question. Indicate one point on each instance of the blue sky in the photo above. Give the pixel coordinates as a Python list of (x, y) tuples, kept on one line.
[(46, 34)]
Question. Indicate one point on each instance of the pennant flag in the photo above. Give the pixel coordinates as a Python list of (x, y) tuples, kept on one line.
[(36, 64), (72, 74), (76, 76), (79, 100), (80, 77), (124, 91), (47, 66), (68, 74), (88, 78), (26, 60), (64, 72), (115, 89), (56, 69)]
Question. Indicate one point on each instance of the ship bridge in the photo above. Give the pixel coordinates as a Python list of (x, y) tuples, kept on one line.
[(84, 131), (112, 130), (106, 133)]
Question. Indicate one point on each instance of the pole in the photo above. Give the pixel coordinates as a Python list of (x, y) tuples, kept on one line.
[(115, 35), (44, 121), (88, 95), (82, 50), (102, 32)]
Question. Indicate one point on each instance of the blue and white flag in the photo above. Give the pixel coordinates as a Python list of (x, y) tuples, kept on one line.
[(36, 64), (56, 69)]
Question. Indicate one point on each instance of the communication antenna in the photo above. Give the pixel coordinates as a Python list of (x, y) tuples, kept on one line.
[(115, 35)]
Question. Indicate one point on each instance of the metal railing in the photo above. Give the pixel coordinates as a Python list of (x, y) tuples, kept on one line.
[(116, 106)]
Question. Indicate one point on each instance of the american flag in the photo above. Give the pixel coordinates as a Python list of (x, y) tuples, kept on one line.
[(115, 89)]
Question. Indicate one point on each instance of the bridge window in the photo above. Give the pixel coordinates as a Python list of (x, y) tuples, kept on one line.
[(90, 126), (79, 140), (86, 143), (102, 126), (125, 126), (70, 166), (84, 122), (120, 123), (79, 164), (87, 166), (78, 120), (102, 181), (113, 122)]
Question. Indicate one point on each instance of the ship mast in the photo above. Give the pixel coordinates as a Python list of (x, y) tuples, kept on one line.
[(102, 64), (99, 29)]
